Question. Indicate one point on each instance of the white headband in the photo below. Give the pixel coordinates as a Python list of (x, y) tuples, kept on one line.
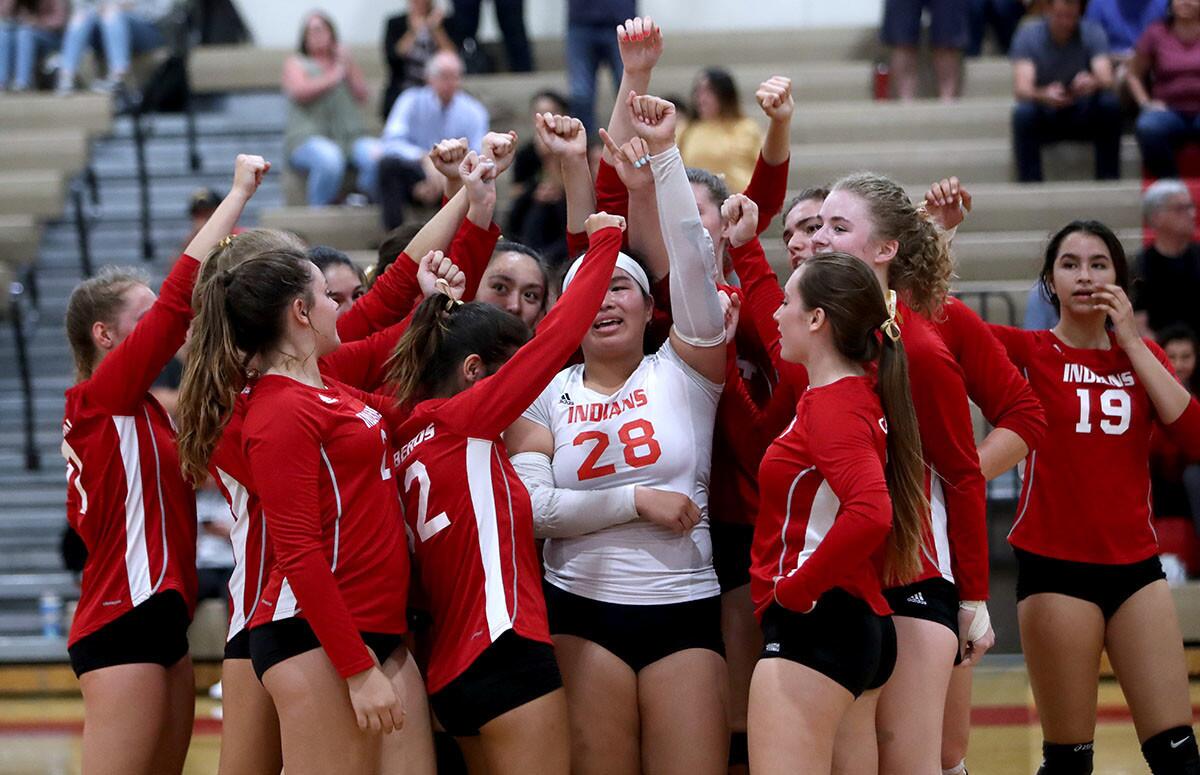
[(631, 267)]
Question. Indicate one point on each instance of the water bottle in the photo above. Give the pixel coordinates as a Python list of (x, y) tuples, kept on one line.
[(50, 607), (881, 81)]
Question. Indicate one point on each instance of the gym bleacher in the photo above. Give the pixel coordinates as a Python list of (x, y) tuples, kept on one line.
[(71, 192)]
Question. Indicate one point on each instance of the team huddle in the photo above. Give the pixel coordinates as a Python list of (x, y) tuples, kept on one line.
[(681, 519)]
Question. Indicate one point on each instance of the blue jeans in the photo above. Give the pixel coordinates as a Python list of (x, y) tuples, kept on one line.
[(325, 165), (1096, 118), (588, 48), (1159, 135), (122, 35)]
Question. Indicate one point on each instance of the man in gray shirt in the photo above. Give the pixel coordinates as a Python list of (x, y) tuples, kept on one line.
[(1062, 79)]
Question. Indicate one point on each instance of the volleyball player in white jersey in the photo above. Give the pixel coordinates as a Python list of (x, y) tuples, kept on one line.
[(616, 454)]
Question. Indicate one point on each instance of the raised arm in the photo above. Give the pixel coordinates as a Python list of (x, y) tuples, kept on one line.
[(391, 296), (631, 163), (491, 405), (640, 41), (565, 138), (124, 375), (698, 330)]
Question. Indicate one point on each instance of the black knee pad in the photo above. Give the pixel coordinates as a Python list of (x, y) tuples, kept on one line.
[(739, 750), (1173, 752), (1066, 758)]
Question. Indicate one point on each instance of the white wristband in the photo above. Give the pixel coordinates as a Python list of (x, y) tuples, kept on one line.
[(980, 622)]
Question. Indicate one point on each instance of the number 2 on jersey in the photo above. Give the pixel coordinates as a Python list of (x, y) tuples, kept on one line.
[(640, 449), (426, 528), (1114, 404)]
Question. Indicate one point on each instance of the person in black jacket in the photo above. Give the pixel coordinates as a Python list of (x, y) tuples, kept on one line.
[(408, 43)]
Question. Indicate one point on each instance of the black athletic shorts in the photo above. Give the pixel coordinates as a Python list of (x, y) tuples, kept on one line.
[(238, 647), (639, 635), (274, 642), (731, 553), (934, 600), (1107, 586), (154, 632), (509, 673), (841, 638)]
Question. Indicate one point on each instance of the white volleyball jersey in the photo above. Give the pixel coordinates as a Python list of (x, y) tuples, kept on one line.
[(656, 431)]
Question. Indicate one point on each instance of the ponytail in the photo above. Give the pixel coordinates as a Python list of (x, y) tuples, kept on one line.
[(239, 315), (443, 333), (213, 376), (905, 469), (865, 330), (418, 347)]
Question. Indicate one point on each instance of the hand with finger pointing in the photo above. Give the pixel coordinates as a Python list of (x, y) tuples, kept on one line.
[(631, 161)]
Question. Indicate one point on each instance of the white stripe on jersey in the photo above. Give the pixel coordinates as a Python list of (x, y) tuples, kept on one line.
[(483, 503), (512, 534), (941, 534), (238, 497), (824, 510), (337, 499), (787, 519), (285, 606), (162, 505), (137, 559)]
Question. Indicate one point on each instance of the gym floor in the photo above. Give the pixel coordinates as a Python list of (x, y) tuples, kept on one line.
[(40, 735)]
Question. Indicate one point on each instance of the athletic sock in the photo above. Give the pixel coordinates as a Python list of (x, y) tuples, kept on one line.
[(958, 769), (1173, 752), (739, 749), (1066, 758)]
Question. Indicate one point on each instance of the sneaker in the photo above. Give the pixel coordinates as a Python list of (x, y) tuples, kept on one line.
[(64, 84), (214, 691), (104, 85)]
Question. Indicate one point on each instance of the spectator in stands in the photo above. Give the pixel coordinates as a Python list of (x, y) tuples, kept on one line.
[(1124, 21), (410, 41), (1040, 314), (28, 30), (345, 282), (1174, 480), (510, 14), (126, 28), (948, 32), (325, 91), (201, 204), (1002, 16), (1063, 79), (1164, 79), (527, 166), (1170, 268), (592, 44), (421, 118), (719, 137)]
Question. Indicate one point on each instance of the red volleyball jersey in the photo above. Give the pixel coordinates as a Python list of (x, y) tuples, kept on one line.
[(468, 514), (321, 462), (956, 542), (956, 546), (992, 381), (126, 496), (824, 512), (1086, 492)]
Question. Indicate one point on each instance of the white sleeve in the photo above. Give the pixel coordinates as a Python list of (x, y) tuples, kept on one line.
[(695, 307), (562, 513), (538, 411)]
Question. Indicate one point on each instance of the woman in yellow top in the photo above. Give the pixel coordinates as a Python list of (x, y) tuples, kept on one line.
[(720, 138)]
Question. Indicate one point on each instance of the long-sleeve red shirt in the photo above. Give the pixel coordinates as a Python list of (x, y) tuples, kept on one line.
[(825, 511), (126, 495), (321, 462), (468, 512), (993, 383), (1086, 494)]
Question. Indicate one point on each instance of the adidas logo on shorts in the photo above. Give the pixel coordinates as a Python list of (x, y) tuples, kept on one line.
[(771, 648), (917, 599)]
